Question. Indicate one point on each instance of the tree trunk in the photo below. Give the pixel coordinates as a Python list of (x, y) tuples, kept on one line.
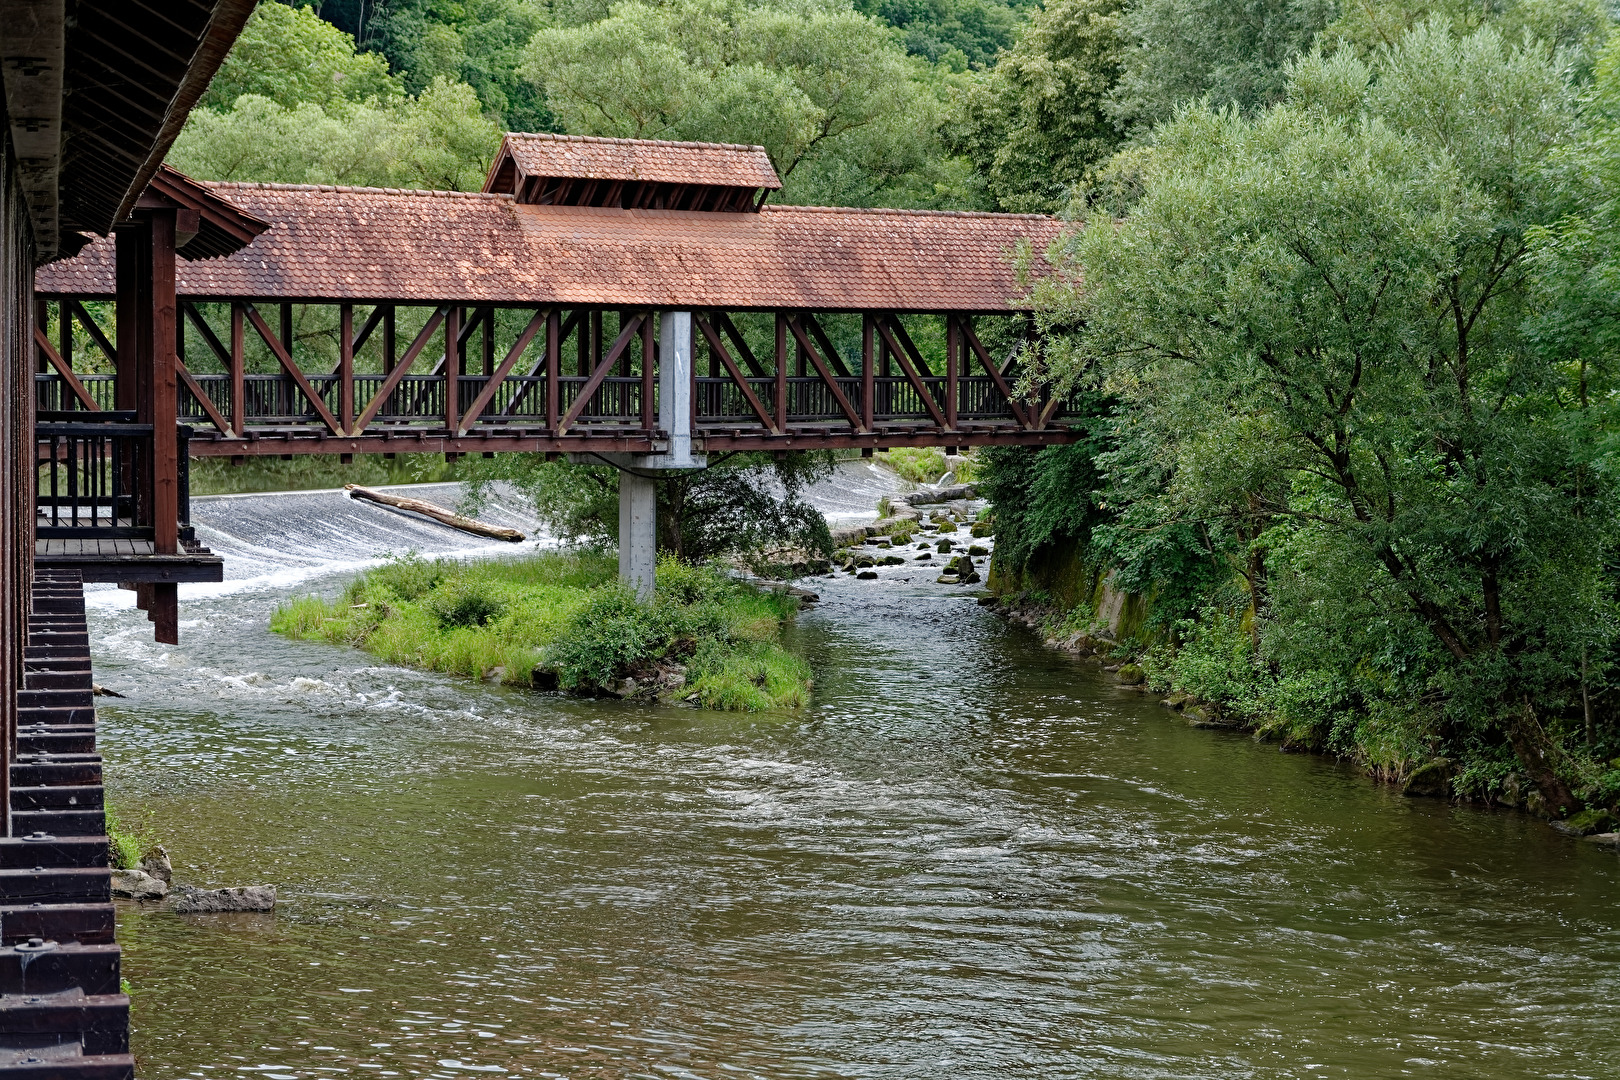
[(1530, 744)]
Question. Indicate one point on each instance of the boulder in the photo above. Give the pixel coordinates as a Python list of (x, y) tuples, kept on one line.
[(946, 526), (943, 546), (864, 561), (1586, 823), (891, 560), (947, 579), (137, 885), (1607, 839), (978, 551), (1130, 674), (543, 679), (1431, 780), (866, 575), (989, 601), (189, 900), (156, 862), (982, 529)]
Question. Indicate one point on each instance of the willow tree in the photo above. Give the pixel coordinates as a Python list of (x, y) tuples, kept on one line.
[(1316, 316)]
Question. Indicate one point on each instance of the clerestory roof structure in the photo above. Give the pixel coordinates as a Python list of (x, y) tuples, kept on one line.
[(368, 245), (577, 170)]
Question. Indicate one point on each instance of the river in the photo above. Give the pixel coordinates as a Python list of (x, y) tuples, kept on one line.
[(970, 857)]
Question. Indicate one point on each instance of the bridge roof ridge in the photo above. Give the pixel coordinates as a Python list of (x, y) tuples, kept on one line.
[(349, 189)]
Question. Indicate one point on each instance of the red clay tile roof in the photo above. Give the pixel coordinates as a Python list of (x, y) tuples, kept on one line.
[(366, 245), (715, 164)]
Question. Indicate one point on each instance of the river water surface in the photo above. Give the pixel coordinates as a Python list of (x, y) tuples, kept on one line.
[(970, 857)]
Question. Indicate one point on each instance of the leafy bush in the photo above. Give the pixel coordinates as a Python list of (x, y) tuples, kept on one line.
[(461, 602)]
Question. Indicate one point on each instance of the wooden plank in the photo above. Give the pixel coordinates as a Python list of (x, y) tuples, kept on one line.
[(719, 350), (923, 392), (994, 371), (290, 368), (64, 371), (953, 345), (391, 383), (626, 332), (476, 409), (826, 375)]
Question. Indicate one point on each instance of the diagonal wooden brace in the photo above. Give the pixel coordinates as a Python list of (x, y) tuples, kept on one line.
[(285, 359), (481, 402), (719, 348), (627, 333)]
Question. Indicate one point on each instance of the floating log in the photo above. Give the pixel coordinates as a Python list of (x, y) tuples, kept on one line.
[(437, 513)]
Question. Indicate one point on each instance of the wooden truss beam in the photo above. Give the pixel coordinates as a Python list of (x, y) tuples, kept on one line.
[(605, 365), (826, 375), (719, 349), (277, 347), (885, 328), (481, 402), (401, 369), (65, 371)]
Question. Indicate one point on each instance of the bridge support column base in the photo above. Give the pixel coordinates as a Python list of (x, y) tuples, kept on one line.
[(638, 533)]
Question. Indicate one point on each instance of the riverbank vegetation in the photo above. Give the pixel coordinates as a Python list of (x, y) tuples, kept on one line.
[(560, 620), (1353, 360)]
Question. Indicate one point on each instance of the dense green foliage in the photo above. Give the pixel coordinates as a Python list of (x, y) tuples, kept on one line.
[(1359, 371), (565, 614)]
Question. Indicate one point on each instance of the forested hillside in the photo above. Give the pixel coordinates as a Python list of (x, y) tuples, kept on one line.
[(1350, 349)]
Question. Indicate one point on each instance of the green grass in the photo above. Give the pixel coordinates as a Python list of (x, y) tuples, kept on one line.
[(127, 841), (565, 613)]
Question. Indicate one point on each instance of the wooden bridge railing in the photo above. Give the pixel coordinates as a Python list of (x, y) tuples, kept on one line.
[(94, 475), (562, 379)]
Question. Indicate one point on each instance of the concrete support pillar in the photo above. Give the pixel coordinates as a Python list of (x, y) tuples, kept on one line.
[(675, 386), (638, 533)]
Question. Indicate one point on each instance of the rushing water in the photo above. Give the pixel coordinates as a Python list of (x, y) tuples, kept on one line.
[(970, 857)]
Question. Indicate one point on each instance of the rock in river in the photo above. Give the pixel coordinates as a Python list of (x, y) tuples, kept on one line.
[(137, 885), (189, 900)]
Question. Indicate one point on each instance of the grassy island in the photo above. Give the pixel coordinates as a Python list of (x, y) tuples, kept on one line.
[(562, 620)]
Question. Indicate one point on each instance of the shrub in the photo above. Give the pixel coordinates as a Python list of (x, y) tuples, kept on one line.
[(613, 631), (464, 602)]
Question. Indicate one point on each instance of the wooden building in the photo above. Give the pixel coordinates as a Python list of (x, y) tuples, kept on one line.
[(95, 91)]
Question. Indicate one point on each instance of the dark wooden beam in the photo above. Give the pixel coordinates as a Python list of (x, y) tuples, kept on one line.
[(993, 371), (884, 328), (65, 371)]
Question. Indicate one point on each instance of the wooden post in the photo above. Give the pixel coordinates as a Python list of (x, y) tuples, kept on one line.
[(489, 341), (953, 363), (585, 323), (64, 332), (130, 327), (346, 368), (452, 368), (799, 364), (42, 319), (389, 345), (238, 371), (649, 361), (165, 408), (554, 362), (287, 329), (868, 373), (781, 372)]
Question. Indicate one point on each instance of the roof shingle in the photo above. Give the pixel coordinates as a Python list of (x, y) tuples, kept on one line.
[(368, 245)]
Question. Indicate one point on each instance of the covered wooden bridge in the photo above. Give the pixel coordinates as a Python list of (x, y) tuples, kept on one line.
[(536, 314)]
